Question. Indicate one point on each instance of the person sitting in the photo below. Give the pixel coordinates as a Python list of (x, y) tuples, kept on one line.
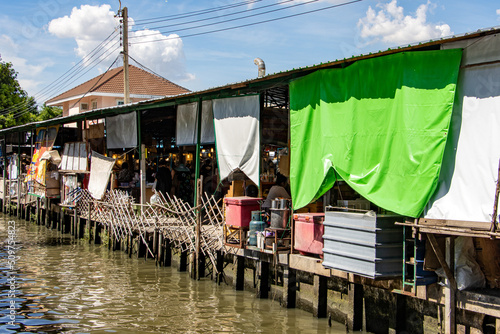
[(163, 179), (252, 191), (276, 191), (125, 175)]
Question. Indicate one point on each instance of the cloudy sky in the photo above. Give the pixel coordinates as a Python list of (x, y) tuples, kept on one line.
[(56, 44)]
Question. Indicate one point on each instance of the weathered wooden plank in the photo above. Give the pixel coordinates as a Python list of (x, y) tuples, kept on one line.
[(474, 225)]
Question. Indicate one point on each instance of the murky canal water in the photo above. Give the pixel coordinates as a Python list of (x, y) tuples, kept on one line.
[(62, 286)]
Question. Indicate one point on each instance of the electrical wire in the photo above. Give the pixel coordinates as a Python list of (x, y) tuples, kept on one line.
[(198, 12), (49, 88), (98, 80), (85, 69), (252, 24), (144, 67), (230, 14), (88, 57)]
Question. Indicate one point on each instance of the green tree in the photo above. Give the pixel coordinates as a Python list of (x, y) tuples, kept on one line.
[(16, 107), (47, 112)]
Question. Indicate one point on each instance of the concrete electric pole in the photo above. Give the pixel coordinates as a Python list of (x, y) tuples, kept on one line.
[(126, 97)]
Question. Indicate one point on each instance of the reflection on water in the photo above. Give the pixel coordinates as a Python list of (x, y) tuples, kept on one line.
[(70, 287)]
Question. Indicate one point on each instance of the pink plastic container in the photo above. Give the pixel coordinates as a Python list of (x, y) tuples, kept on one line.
[(308, 233), (239, 210)]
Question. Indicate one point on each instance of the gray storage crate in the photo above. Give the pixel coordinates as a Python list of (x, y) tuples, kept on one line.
[(365, 244)]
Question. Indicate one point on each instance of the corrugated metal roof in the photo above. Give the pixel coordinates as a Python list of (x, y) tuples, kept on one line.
[(246, 86)]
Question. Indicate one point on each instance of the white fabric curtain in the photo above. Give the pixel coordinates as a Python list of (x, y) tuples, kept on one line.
[(237, 135), (187, 124), (100, 170), (467, 183), (121, 131)]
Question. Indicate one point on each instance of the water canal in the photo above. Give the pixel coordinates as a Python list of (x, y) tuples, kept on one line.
[(67, 286)]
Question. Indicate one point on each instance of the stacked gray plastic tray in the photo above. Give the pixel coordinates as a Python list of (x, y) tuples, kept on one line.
[(363, 243)]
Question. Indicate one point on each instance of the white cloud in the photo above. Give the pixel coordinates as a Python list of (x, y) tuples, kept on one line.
[(498, 12), (27, 72), (90, 25), (391, 26)]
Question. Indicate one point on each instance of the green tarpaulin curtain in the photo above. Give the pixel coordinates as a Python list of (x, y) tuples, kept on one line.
[(380, 123)]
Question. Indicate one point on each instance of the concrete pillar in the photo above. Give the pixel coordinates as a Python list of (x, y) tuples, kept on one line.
[(355, 314), (183, 261), (320, 296), (497, 326), (263, 287), (289, 288), (239, 272)]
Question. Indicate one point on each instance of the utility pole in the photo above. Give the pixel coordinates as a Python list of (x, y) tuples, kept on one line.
[(126, 93)]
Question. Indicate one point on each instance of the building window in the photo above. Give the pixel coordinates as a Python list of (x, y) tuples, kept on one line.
[(94, 104), (84, 106), (119, 102)]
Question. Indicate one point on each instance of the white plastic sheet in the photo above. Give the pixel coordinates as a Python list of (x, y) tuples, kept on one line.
[(100, 170), (121, 131), (467, 182), (237, 135), (187, 124)]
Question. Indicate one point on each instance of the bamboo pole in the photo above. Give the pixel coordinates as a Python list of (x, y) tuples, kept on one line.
[(495, 205)]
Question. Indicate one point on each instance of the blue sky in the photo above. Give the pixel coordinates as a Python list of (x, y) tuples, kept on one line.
[(44, 39)]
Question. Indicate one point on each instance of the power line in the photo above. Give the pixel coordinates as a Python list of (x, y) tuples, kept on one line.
[(49, 88), (102, 76), (251, 24), (76, 75), (144, 67), (24, 109), (198, 12), (230, 14), (86, 58)]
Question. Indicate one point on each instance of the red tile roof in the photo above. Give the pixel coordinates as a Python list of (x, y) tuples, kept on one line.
[(141, 82)]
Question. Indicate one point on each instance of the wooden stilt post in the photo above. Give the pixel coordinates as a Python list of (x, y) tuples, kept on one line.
[(397, 320), (160, 256), (449, 290), (320, 296), (355, 315), (200, 270), (47, 211), (290, 288), (198, 227), (97, 233), (239, 272), (183, 261), (167, 261), (219, 266), (263, 288)]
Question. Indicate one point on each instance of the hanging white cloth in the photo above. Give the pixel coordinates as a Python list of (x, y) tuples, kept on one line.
[(467, 183), (237, 135), (121, 131), (187, 124), (100, 170)]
